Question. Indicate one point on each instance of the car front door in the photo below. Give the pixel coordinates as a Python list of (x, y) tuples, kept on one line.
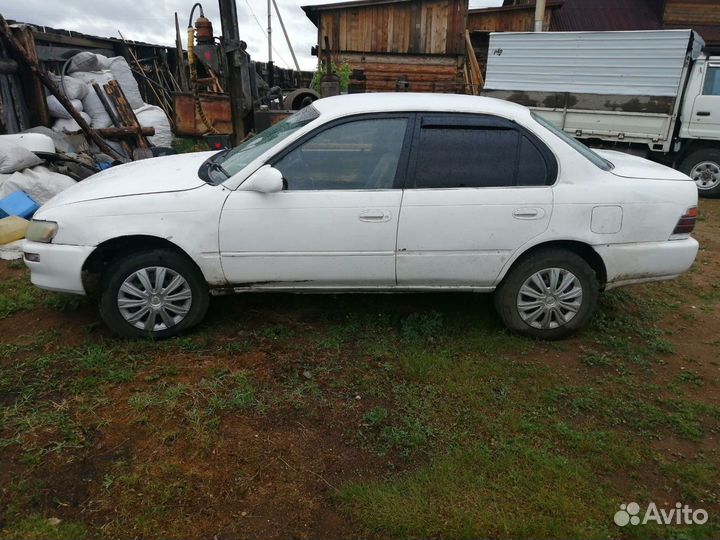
[(705, 119), (478, 189), (335, 223)]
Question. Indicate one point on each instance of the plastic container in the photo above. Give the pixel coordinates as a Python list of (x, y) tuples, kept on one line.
[(12, 228), (18, 204)]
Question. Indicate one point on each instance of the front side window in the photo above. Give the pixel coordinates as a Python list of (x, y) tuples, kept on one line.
[(361, 154), (712, 81), (241, 156), (477, 153)]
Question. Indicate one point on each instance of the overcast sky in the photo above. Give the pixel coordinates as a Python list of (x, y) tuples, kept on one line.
[(152, 21)]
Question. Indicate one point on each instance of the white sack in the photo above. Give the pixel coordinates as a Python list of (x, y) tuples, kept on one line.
[(152, 116), (92, 104), (40, 183), (11, 251), (125, 78), (15, 158), (71, 87), (88, 77), (58, 111), (69, 125), (87, 61)]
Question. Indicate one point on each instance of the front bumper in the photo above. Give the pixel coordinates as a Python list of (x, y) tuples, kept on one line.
[(59, 267), (627, 264)]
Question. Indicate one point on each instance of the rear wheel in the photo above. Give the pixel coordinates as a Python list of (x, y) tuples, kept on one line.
[(548, 295), (703, 166), (155, 294)]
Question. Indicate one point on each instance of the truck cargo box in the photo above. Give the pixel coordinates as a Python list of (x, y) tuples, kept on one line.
[(614, 86)]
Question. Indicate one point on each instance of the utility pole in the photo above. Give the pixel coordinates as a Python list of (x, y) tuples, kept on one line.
[(271, 66), (539, 15), (238, 66)]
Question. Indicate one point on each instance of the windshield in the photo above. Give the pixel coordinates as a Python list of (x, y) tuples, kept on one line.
[(604, 164), (225, 164)]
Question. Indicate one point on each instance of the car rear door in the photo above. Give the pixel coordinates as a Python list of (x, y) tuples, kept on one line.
[(335, 223), (478, 188)]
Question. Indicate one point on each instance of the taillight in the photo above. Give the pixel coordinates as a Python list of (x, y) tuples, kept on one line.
[(686, 223)]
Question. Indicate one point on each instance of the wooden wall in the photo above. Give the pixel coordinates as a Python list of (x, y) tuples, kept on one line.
[(692, 12), (415, 27), (506, 20), (423, 73)]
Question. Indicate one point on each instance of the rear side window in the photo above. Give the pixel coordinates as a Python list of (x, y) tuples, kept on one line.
[(473, 153)]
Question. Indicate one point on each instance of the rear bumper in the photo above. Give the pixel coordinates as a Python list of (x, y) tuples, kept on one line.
[(648, 261), (59, 267)]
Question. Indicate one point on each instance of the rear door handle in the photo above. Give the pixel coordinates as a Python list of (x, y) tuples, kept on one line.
[(703, 113), (528, 213), (375, 216)]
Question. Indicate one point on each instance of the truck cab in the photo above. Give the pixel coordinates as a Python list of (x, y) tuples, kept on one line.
[(700, 115), (700, 126)]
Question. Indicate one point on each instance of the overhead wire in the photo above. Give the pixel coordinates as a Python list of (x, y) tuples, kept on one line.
[(252, 12)]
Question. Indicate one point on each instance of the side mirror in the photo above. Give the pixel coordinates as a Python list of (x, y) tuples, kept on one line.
[(266, 179)]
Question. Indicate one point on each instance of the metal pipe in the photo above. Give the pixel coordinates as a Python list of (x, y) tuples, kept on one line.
[(287, 38), (539, 15), (269, 32)]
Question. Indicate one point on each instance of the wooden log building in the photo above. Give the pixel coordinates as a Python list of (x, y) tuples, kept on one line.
[(413, 45), (419, 45)]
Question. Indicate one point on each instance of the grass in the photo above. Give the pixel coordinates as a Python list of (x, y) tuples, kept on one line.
[(508, 490), (407, 416)]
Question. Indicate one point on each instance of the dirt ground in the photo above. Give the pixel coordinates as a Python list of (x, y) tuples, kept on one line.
[(255, 425)]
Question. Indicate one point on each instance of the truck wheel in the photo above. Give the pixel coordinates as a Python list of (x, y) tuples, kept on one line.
[(155, 294), (548, 295), (703, 166)]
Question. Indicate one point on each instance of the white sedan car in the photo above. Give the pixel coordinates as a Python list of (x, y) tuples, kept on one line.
[(374, 192)]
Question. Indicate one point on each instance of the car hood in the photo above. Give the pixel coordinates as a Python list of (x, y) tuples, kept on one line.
[(156, 175), (629, 166)]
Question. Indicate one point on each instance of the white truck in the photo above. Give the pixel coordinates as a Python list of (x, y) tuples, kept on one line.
[(650, 93)]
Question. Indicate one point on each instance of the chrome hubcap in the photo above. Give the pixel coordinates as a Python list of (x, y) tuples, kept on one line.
[(550, 298), (154, 299), (706, 174)]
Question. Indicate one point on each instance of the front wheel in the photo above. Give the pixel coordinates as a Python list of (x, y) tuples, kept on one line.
[(548, 294), (155, 294), (703, 166)]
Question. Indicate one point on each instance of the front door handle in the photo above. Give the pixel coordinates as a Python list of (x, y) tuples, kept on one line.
[(703, 113), (375, 216)]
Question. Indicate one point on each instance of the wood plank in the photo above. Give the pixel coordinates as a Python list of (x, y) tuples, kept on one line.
[(477, 77), (76, 41), (33, 89), (445, 60), (343, 44), (335, 42), (692, 12), (397, 30)]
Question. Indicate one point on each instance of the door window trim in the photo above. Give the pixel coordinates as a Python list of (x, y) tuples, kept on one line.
[(479, 121), (402, 167)]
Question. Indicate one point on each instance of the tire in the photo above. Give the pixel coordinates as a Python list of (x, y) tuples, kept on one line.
[(703, 166), (184, 306), (562, 320)]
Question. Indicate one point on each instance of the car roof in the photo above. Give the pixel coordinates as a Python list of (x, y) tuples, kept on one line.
[(351, 104)]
